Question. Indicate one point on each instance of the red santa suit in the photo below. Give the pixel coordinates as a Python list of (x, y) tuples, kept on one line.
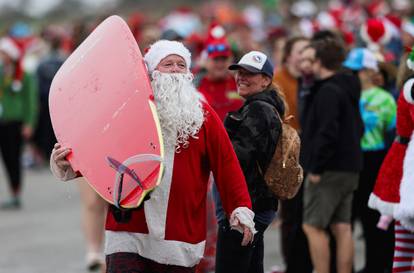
[(405, 210), (386, 194), (171, 228)]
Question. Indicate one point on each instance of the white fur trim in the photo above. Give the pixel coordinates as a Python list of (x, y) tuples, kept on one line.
[(161, 251), (245, 217), (408, 27), (408, 91), (410, 64), (61, 174), (405, 210), (163, 48), (10, 48), (156, 207), (384, 207)]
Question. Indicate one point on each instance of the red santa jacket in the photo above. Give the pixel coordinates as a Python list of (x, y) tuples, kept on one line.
[(405, 209), (386, 194), (171, 228)]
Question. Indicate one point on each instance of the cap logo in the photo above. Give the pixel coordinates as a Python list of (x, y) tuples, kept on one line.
[(257, 58)]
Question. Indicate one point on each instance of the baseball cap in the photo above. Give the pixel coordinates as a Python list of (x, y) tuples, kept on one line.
[(360, 58), (255, 62)]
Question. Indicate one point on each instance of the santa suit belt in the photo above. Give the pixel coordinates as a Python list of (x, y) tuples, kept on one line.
[(402, 140)]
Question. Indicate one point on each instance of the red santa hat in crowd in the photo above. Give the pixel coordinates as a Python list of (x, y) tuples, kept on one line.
[(163, 48), (11, 49), (375, 33), (327, 20), (216, 44), (394, 24)]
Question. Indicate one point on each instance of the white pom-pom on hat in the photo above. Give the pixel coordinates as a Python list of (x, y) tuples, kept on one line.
[(375, 33), (163, 48)]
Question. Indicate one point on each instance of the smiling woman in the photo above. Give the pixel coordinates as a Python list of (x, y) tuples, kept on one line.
[(254, 131), (254, 73)]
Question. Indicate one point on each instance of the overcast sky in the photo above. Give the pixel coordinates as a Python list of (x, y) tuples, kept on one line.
[(40, 7)]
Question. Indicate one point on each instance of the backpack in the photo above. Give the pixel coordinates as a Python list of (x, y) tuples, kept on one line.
[(284, 175)]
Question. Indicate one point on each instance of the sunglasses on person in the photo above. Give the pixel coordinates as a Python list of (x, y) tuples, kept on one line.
[(217, 48)]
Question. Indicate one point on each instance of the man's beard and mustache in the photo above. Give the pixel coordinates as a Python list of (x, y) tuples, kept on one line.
[(179, 108)]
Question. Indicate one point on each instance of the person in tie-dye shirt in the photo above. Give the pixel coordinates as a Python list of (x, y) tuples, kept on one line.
[(378, 111)]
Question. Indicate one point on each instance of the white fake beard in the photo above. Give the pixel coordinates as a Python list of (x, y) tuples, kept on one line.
[(179, 107)]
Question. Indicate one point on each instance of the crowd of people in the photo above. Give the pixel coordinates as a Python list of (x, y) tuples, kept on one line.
[(344, 71)]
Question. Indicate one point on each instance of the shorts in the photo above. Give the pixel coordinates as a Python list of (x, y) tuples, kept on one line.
[(330, 200)]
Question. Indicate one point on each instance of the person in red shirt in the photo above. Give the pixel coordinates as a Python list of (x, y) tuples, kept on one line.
[(167, 233), (218, 85)]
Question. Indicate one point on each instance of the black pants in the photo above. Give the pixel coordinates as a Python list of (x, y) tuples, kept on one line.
[(294, 242), (11, 148), (378, 243), (231, 257)]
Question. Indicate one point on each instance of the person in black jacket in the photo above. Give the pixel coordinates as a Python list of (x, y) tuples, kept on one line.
[(332, 156), (254, 132)]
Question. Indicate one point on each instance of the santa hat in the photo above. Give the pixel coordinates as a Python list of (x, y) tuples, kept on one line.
[(394, 23), (11, 49), (216, 44), (327, 20), (163, 48), (375, 33)]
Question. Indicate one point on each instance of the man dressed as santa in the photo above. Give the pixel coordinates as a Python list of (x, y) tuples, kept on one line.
[(167, 233)]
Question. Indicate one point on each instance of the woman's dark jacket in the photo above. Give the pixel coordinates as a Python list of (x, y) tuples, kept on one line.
[(254, 132)]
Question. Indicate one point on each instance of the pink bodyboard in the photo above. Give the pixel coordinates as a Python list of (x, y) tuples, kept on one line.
[(101, 106)]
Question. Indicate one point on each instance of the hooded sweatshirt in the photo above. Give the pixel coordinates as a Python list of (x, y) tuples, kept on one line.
[(333, 126)]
